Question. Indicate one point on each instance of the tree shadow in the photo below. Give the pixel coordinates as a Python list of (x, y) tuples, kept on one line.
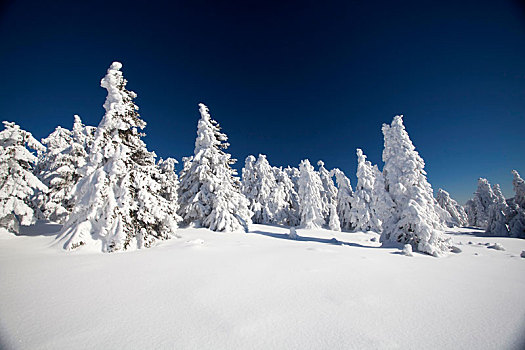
[(41, 228), (332, 241)]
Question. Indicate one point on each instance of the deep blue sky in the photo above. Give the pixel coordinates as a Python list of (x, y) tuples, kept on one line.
[(287, 79)]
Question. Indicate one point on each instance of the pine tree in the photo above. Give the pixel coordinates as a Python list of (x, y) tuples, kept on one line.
[(329, 191), (118, 201), (249, 186), (59, 169), (334, 224), (344, 199), (497, 214), (169, 185), (457, 213), (383, 205), (310, 188), (288, 197), (17, 182), (516, 210), (414, 220), (209, 190), (477, 208), (362, 215)]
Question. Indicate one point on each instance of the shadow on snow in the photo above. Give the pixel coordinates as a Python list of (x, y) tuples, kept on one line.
[(332, 241)]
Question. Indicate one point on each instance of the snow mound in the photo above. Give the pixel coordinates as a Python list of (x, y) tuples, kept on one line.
[(496, 246)]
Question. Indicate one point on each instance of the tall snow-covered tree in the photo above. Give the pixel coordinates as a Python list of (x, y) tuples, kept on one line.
[(458, 215), (344, 199), (414, 220), (329, 191), (310, 201), (249, 185), (209, 191), (362, 214), (17, 182), (59, 169), (118, 201), (519, 189), (334, 224), (497, 214), (477, 208)]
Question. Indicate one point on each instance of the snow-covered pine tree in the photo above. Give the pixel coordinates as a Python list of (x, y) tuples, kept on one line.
[(262, 191), (414, 220), (497, 214), (344, 199), (477, 208), (310, 202), (457, 213), (329, 191), (118, 201), (169, 185), (249, 185), (516, 215), (293, 174), (383, 205), (362, 215), (289, 212), (334, 224), (209, 191), (59, 169), (17, 182)]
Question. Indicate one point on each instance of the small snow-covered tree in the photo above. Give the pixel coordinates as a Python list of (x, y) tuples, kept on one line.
[(17, 182), (267, 201), (414, 220), (477, 208), (457, 213), (169, 184), (310, 202), (209, 191), (59, 169), (383, 205), (344, 199), (249, 185), (289, 210), (329, 191), (519, 189), (334, 224), (118, 201), (294, 174), (516, 210), (497, 214), (362, 215)]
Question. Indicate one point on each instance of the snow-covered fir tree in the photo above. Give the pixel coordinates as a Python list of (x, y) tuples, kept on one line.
[(59, 169), (497, 214), (362, 214), (457, 213), (334, 224), (516, 216), (414, 220), (329, 191), (477, 208), (17, 182), (267, 199), (344, 199), (169, 184), (209, 191), (293, 174), (383, 205), (310, 201), (288, 196), (118, 201)]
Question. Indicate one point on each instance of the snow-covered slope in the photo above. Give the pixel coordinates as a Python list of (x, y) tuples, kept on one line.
[(261, 290)]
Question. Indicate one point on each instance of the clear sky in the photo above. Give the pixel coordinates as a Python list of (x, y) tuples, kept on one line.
[(292, 80)]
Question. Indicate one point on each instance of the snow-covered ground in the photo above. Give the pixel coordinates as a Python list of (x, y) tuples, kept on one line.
[(261, 290)]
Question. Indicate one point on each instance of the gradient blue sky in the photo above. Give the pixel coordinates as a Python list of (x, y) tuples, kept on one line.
[(293, 80)]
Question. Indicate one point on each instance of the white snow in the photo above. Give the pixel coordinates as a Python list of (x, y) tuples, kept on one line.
[(261, 290)]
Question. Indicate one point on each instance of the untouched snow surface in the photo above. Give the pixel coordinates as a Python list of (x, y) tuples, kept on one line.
[(261, 290)]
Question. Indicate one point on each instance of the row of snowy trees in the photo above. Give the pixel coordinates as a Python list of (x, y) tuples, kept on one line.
[(108, 190), (489, 209)]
